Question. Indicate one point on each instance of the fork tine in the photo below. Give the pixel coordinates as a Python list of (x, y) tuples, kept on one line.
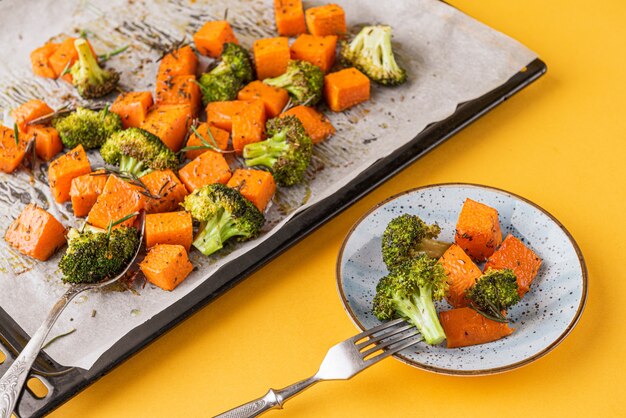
[(389, 342), (406, 344), (376, 329), (376, 339)]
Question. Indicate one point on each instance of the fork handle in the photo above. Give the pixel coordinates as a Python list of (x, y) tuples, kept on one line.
[(272, 399)]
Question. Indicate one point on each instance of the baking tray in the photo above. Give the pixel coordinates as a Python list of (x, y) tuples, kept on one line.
[(64, 382)]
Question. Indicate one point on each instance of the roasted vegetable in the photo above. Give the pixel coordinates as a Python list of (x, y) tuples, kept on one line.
[(409, 292), (224, 214), (493, 293), (287, 152), (232, 73), (371, 52), (303, 80), (89, 128), (406, 236), (88, 77), (138, 152), (94, 256)]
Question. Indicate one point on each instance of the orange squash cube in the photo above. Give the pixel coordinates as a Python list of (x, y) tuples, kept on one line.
[(273, 98), (166, 266), (248, 125), (462, 274), (514, 255), (174, 228), (11, 154), (465, 326), (64, 169), (271, 56), (318, 50), (289, 17), (257, 186), (220, 114), (209, 168), (168, 187), (180, 89), (182, 61), (346, 88), (316, 125), (218, 135), (40, 60), (329, 19), (132, 107), (36, 233), (117, 200), (85, 190), (211, 37), (170, 123), (29, 111), (478, 230), (47, 141)]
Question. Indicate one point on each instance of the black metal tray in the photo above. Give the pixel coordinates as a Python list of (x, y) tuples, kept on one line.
[(66, 382)]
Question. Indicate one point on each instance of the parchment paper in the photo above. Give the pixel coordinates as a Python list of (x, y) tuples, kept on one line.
[(450, 59)]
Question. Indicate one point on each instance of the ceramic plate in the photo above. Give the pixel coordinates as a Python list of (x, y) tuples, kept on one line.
[(544, 317)]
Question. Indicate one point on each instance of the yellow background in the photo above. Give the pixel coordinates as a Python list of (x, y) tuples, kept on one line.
[(559, 143)]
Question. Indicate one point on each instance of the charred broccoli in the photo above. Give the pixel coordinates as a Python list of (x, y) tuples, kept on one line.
[(138, 152), (229, 76), (287, 152), (303, 80), (87, 127), (493, 293), (92, 256), (409, 292), (90, 80), (406, 236), (224, 213), (371, 52)]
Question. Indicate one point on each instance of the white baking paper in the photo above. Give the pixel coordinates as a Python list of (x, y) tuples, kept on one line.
[(450, 59)]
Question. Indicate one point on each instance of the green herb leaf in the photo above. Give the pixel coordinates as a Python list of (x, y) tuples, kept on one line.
[(119, 221), (16, 134), (110, 54), (73, 330)]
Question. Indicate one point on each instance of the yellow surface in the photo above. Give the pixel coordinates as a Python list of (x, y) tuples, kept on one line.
[(559, 143)]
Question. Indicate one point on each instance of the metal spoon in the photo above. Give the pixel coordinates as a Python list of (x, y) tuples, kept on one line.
[(13, 380)]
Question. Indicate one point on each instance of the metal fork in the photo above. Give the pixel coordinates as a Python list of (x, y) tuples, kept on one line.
[(342, 361), (12, 382)]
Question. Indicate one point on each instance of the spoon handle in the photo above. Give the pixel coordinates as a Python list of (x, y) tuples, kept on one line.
[(13, 380)]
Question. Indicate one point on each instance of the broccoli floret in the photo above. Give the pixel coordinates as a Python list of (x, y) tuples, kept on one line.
[(229, 76), (90, 80), (303, 80), (138, 152), (93, 256), (409, 292), (493, 293), (87, 127), (371, 52), (223, 213), (287, 152), (406, 236)]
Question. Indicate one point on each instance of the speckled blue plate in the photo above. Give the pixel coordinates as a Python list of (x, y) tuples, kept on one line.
[(544, 317)]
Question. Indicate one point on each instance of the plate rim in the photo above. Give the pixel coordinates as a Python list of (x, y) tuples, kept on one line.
[(482, 372)]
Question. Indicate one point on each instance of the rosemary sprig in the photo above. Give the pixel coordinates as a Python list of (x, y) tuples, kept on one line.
[(205, 144), (16, 134), (119, 221), (66, 108), (111, 54), (73, 330), (105, 112), (127, 177), (66, 69)]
